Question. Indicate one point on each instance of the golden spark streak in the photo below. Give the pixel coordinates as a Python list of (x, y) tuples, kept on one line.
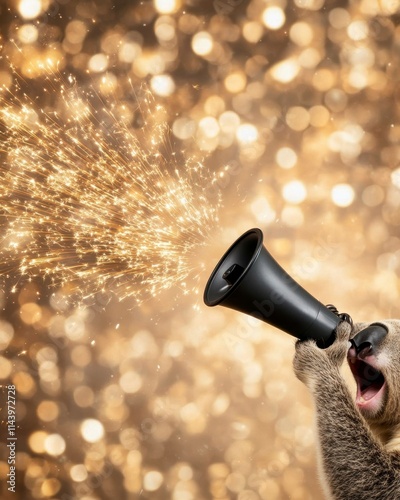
[(88, 199)]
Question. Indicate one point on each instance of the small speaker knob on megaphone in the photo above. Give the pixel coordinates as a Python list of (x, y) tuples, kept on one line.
[(249, 280)]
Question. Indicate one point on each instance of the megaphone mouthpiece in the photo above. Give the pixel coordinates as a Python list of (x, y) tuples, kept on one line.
[(248, 279), (232, 274)]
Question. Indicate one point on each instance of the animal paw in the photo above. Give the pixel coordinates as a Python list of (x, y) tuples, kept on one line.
[(311, 363), (307, 361), (337, 352)]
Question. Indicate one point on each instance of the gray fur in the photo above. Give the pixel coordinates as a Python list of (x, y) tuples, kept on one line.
[(359, 454)]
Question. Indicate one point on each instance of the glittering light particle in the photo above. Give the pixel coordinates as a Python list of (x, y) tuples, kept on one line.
[(76, 31), (152, 480), (47, 411), (130, 382), (342, 195), (108, 83), (301, 34), (83, 396), (78, 473), (273, 17), (5, 80), (253, 31), (184, 128), (298, 118), (202, 43), (347, 141), (262, 210), (323, 80), (309, 58), (358, 30), (336, 100), (54, 445), (294, 192), (395, 177), (74, 328), (339, 18), (30, 9), (292, 216), (92, 430), (362, 56), (358, 78), (319, 116), (165, 29), (246, 133), (286, 157), (309, 4), (235, 82), (129, 51), (167, 6), (209, 127), (229, 121), (276, 390), (50, 487), (37, 440), (221, 404), (49, 372), (6, 334), (386, 7), (24, 383), (374, 195), (162, 85), (185, 472), (285, 71), (5, 367), (28, 33), (174, 348), (190, 413), (30, 313), (214, 105), (236, 482), (98, 63), (81, 355)]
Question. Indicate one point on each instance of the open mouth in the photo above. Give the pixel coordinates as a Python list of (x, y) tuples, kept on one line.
[(370, 384)]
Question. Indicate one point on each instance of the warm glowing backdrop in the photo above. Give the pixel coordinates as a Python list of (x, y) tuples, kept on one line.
[(138, 140)]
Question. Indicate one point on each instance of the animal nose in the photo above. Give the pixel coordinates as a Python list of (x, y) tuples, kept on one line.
[(366, 341)]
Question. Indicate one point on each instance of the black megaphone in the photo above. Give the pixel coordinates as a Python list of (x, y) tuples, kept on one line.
[(249, 280)]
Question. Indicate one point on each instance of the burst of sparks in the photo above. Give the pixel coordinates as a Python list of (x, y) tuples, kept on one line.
[(90, 200)]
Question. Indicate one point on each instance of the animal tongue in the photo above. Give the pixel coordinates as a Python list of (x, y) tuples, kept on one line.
[(369, 392)]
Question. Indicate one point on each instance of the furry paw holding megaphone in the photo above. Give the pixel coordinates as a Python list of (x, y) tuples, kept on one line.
[(358, 438)]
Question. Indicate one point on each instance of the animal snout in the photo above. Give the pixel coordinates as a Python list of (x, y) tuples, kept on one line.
[(368, 340)]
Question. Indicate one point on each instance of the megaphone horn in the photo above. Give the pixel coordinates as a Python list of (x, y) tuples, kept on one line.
[(249, 280)]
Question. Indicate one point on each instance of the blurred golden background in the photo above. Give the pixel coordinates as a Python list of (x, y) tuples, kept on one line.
[(291, 107)]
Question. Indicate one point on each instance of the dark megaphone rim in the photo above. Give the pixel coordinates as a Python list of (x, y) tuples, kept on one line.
[(256, 252)]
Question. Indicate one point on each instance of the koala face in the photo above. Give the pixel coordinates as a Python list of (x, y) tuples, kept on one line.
[(374, 359)]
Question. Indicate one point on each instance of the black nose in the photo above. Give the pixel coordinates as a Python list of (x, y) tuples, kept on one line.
[(367, 340)]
